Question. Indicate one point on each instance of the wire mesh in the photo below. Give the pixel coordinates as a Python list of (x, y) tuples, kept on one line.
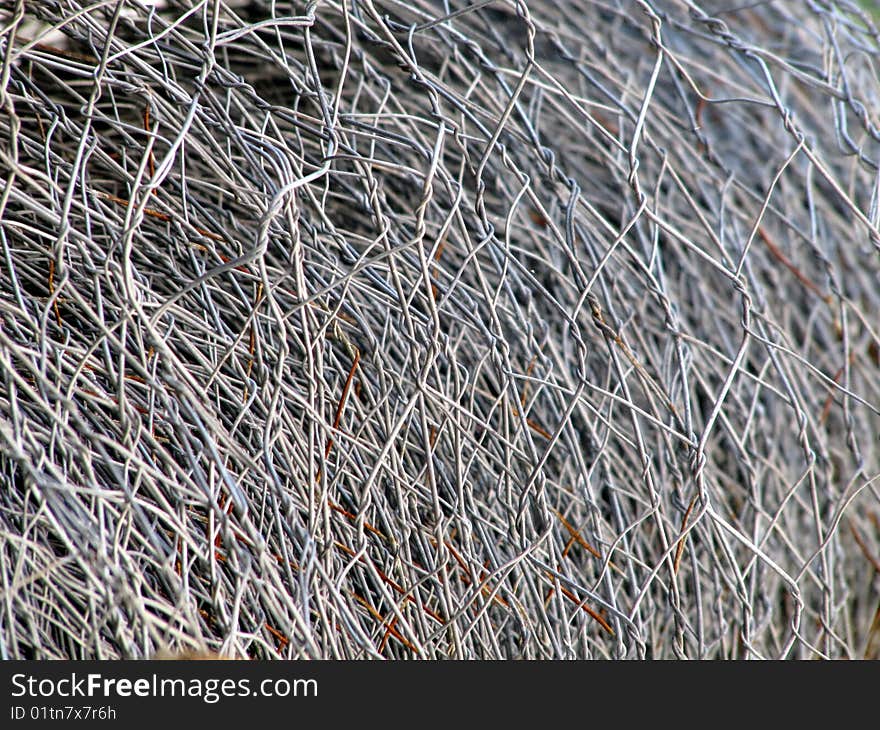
[(362, 329)]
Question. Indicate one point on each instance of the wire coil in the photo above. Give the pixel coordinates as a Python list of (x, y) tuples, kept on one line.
[(388, 329)]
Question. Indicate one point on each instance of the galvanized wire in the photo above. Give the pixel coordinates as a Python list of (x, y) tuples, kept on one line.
[(425, 329)]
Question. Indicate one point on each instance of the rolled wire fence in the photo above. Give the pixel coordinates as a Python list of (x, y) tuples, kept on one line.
[(419, 330)]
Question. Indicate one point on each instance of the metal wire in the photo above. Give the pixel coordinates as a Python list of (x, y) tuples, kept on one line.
[(364, 329)]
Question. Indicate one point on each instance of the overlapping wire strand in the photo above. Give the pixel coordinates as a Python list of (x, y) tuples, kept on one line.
[(364, 329)]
